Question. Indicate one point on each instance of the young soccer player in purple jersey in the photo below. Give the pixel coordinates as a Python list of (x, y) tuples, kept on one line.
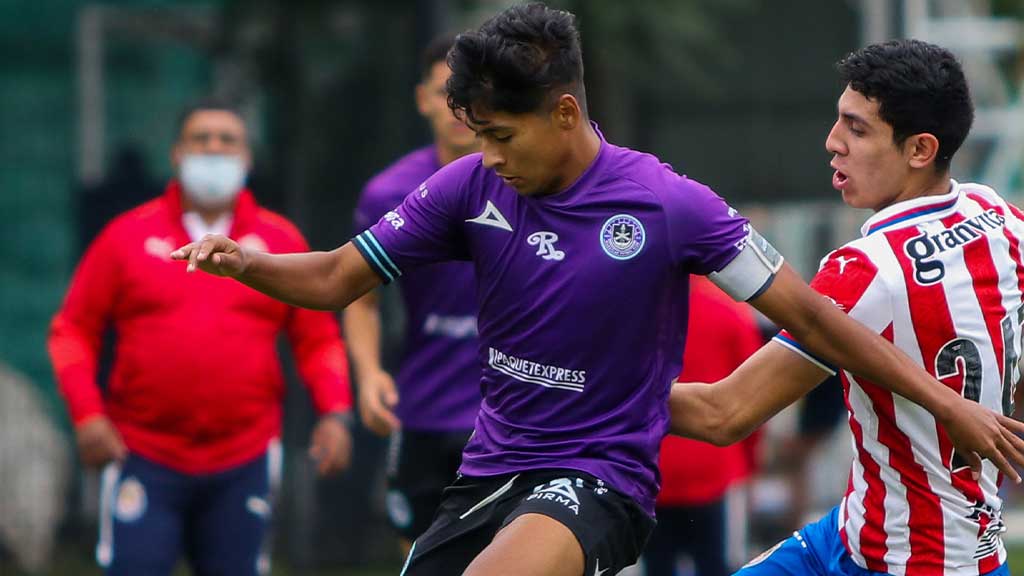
[(430, 413), (582, 251)]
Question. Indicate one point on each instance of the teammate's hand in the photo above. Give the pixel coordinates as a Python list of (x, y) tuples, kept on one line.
[(977, 432), (214, 254), (331, 445), (377, 398), (99, 442)]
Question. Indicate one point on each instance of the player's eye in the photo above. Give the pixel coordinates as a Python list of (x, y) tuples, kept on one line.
[(503, 138)]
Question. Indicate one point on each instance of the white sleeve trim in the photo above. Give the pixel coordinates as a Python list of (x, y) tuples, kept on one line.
[(807, 356)]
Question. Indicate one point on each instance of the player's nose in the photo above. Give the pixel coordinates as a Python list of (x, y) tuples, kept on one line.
[(491, 157), (833, 144)]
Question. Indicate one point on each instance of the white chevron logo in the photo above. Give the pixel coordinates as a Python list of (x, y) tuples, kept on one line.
[(491, 217)]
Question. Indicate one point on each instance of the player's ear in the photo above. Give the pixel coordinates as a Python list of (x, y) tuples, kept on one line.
[(921, 149), (567, 113), (422, 103)]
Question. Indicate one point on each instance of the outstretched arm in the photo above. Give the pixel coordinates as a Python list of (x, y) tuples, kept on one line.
[(732, 408), (822, 328), (318, 280)]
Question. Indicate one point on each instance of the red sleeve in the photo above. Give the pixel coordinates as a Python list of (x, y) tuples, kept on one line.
[(316, 342), (320, 355), (77, 330)]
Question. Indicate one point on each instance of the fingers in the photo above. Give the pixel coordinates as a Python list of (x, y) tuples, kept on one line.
[(1016, 447), (374, 409), (197, 252), (183, 252), (1014, 425), (330, 448), (1004, 466), (118, 451), (975, 463)]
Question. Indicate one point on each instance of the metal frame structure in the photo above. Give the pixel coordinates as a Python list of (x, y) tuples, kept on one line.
[(994, 151)]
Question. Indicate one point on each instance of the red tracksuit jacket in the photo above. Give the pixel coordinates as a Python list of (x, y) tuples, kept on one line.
[(196, 383), (722, 335)]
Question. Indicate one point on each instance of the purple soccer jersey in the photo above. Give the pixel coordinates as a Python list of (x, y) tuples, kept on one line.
[(439, 378), (583, 305)]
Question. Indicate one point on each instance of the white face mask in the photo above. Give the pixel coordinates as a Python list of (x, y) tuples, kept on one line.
[(212, 180)]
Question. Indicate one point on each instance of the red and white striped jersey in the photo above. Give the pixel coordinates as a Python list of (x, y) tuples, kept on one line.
[(942, 278)]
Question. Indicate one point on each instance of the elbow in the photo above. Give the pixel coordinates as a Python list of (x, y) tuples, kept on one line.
[(726, 434), (696, 413), (726, 426)]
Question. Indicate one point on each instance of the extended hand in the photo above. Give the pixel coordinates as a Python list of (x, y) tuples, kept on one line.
[(214, 254), (99, 442), (331, 445), (977, 432), (377, 397)]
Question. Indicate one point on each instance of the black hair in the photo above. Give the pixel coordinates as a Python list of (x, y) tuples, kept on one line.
[(919, 88), (436, 51), (207, 103), (516, 61)]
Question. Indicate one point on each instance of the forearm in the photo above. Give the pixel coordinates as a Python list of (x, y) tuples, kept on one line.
[(317, 280), (842, 341), (732, 408), (362, 334)]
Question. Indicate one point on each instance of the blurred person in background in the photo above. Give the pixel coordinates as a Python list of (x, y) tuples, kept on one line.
[(429, 414), (35, 467), (696, 476), (583, 252), (819, 416), (187, 425), (939, 272)]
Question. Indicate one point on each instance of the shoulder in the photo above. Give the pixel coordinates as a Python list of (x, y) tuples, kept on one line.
[(401, 176), (679, 195), (845, 274), (987, 198), (279, 233), (142, 218)]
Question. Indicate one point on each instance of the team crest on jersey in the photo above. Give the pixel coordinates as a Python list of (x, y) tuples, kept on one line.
[(131, 500), (159, 247), (622, 237)]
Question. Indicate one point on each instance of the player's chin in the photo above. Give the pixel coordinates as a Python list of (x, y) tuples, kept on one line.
[(851, 199)]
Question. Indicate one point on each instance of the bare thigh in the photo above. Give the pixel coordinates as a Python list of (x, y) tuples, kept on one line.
[(531, 545)]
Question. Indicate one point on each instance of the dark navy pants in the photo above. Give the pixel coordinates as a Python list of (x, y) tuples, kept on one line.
[(151, 516)]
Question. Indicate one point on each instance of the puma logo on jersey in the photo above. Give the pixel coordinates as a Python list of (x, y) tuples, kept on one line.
[(491, 217), (843, 261), (922, 249), (545, 243)]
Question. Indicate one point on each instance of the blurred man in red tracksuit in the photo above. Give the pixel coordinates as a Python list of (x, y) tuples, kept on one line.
[(696, 476), (193, 403)]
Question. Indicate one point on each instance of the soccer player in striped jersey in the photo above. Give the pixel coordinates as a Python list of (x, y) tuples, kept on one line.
[(938, 272)]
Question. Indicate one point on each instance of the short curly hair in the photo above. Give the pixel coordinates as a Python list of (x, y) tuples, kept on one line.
[(919, 87), (516, 61)]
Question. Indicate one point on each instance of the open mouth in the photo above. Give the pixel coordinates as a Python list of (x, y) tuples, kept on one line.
[(839, 180)]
